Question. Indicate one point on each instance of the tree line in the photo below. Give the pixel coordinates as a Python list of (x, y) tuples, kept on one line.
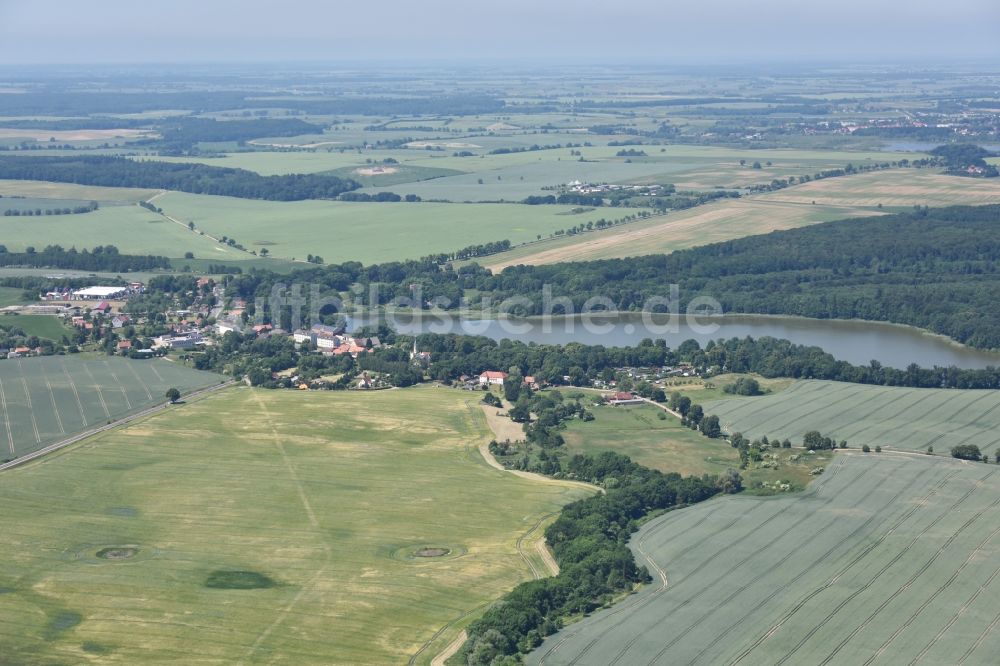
[(183, 177), (100, 258)]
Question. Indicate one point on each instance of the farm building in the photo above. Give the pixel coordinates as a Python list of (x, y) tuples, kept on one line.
[(492, 378), (622, 398), (100, 293)]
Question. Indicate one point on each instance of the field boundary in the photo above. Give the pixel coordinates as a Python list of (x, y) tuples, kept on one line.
[(125, 420)]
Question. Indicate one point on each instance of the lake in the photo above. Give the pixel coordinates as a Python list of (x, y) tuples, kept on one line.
[(857, 342)]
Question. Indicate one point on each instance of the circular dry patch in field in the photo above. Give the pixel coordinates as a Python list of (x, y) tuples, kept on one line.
[(427, 552), (431, 552), (117, 552)]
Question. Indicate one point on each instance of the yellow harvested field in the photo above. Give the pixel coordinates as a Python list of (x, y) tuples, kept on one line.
[(895, 188), (697, 226), (801, 205)]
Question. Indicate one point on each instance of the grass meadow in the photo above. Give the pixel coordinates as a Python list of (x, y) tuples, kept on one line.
[(44, 326), (269, 527), (48, 398), (906, 419), (366, 232), (884, 559), (639, 433)]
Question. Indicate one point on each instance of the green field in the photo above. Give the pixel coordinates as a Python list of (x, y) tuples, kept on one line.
[(132, 229), (908, 419), (10, 296), (638, 433), (314, 503), (885, 559), (366, 232), (44, 326), (46, 399)]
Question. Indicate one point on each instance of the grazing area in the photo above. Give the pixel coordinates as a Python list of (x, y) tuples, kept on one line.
[(907, 419), (49, 398), (265, 527), (639, 433), (884, 559)]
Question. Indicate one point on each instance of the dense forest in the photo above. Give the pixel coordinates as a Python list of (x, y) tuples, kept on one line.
[(180, 134), (589, 540), (193, 178)]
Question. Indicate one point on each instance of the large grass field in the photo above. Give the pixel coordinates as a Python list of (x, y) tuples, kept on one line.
[(907, 419), (885, 559), (315, 503), (639, 433), (366, 232), (44, 326), (46, 399)]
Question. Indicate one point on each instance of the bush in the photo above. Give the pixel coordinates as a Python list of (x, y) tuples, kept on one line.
[(966, 452)]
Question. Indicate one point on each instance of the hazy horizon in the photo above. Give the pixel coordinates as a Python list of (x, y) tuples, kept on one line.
[(685, 32)]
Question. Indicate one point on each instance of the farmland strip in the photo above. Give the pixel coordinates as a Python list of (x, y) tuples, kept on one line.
[(121, 387), (848, 539), (816, 627), (933, 596), (868, 549), (6, 419), (905, 586), (55, 408), (97, 388), (72, 385), (141, 383), (751, 581)]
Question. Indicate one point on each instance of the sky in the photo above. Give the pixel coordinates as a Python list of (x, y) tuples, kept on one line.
[(562, 31)]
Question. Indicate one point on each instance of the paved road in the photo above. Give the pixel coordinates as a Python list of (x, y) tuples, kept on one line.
[(107, 426)]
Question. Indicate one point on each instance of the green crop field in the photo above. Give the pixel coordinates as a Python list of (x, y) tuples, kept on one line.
[(133, 230), (908, 419), (46, 190), (44, 326), (885, 559), (638, 433), (259, 526), (46, 399), (9, 296), (366, 232)]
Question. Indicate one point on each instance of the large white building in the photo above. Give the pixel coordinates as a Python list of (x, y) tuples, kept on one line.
[(100, 293)]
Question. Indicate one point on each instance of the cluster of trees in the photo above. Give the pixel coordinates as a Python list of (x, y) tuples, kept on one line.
[(469, 252), (567, 198), (743, 386), (966, 159), (184, 177), (62, 210), (101, 258), (378, 197), (589, 542)]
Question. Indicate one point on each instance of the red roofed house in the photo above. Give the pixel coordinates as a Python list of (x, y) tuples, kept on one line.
[(103, 307), (624, 398), (124, 345), (492, 377)]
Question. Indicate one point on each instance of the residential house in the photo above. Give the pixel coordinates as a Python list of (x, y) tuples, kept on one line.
[(492, 378)]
